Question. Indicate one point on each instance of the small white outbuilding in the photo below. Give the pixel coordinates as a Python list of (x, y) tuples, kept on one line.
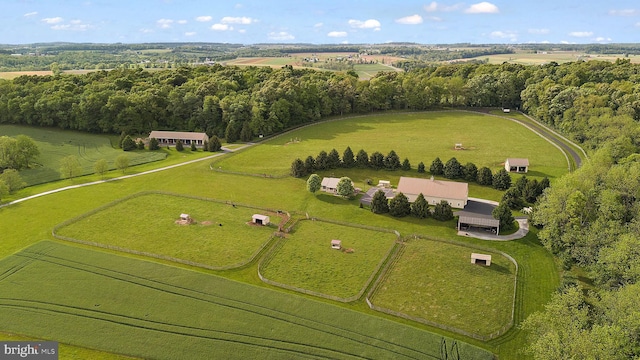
[(260, 219), (481, 259)]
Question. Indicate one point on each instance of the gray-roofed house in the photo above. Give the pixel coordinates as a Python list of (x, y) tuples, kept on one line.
[(434, 191), (519, 165), (368, 196), (171, 137), (330, 185)]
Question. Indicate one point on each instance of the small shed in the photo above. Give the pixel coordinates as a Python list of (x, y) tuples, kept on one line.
[(506, 110), (185, 217), (519, 165), (384, 184), (336, 244), (260, 219), (458, 146), (481, 259)]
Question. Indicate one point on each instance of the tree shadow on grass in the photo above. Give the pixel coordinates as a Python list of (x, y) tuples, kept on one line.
[(336, 199)]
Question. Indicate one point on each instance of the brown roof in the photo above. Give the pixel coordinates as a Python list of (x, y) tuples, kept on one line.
[(434, 188), (182, 135), (518, 162)]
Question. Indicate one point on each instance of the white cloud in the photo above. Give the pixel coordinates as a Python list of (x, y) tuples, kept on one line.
[(410, 20), (602, 39), (337, 34), (190, 33), (237, 20), (182, 22), (164, 23), (242, 31), (482, 8), (564, 42), (204, 18), (367, 24), (538, 31), (54, 20), (511, 35), (221, 27), (434, 18), (146, 31), (434, 6), (318, 25), (624, 12), (74, 25), (281, 35), (581, 33), (239, 6), (33, 13)]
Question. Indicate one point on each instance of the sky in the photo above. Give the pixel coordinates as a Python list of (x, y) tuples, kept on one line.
[(320, 22)]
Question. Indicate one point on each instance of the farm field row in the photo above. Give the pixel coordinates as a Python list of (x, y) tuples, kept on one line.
[(139, 308)]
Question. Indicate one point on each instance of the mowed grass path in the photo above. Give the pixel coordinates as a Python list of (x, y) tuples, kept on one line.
[(144, 309), (220, 237), (306, 259), (55, 144), (449, 290), (420, 137)]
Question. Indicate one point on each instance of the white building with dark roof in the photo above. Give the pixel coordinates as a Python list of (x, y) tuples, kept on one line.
[(171, 137)]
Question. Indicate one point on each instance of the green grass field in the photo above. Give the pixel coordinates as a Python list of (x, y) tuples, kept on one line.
[(29, 222), (483, 296), (529, 58), (55, 144), (220, 237), (142, 309), (488, 141), (307, 261)]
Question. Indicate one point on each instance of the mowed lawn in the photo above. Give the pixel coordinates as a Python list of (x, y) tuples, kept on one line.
[(55, 144), (148, 310), (436, 281), (221, 237), (420, 137), (307, 261)]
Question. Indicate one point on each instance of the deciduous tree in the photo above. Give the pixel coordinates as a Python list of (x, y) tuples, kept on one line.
[(12, 180), (100, 167), (122, 162), (314, 183), (345, 187), (70, 167)]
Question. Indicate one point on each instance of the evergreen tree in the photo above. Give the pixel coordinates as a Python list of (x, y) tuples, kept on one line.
[(314, 183), (406, 165), (154, 144), (297, 169), (214, 144), (485, 176), (246, 134), (442, 211), (392, 161), (309, 164), (379, 203), (322, 161), (376, 161), (504, 215), (531, 191), (362, 159), (470, 172), (179, 146), (453, 169), (436, 168), (399, 206), (205, 146), (140, 145), (128, 144), (501, 180), (193, 146), (521, 184), (333, 159), (420, 207), (348, 160), (421, 167), (512, 199)]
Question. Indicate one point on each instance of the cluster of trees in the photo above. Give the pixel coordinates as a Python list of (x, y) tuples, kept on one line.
[(524, 192), (17, 153), (332, 160), (344, 187), (399, 206), (501, 180), (10, 181)]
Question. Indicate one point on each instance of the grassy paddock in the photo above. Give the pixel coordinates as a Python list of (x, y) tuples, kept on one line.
[(307, 261), (448, 289), (488, 141), (126, 306), (221, 236), (55, 144)]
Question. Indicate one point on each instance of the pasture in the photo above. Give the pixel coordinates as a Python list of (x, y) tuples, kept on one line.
[(221, 236), (488, 141), (306, 260), (55, 144), (530, 58), (483, 296), (132, 307)]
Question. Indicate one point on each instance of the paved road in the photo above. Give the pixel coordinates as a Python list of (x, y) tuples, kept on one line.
[(225, 150)]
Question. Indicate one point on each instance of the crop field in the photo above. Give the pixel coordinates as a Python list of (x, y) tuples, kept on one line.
[(483, 296), (488, 141), (55, 144), (221, 236), (528, 58), (143, 309), (307, 261)]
